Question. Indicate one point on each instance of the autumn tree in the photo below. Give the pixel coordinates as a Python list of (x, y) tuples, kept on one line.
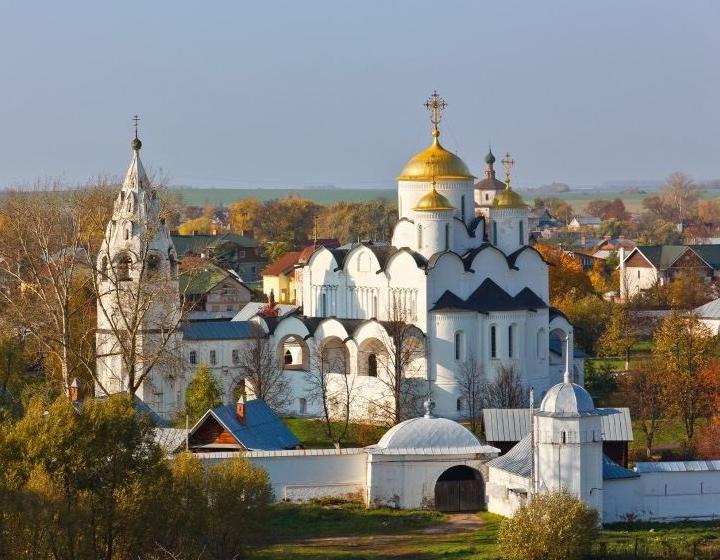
[(566, 274), (245, 214), (551, 526), (683, 349), (620, 334), (689, 290), (588, 314), (196, 225), (346, 221), (645, 394), (203, 393), (557, 207), (261, 372), (289, 219)]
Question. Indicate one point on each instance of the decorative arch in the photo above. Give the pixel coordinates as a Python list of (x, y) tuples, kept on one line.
[(373, 358), (460, 488), (298, 350), (123, 267)]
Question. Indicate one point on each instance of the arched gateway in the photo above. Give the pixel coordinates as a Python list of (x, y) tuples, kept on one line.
[(460, 488)]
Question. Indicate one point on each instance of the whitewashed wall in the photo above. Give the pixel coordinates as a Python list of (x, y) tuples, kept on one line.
[(303, 475), (664, 496)]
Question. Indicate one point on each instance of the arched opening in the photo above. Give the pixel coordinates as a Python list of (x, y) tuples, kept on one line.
[(460, 488), (334, 355), (104, 267), (153, 264), (372, 357), (556, 358), (299, 353), (493, 341), (123, 264), (447, 237)]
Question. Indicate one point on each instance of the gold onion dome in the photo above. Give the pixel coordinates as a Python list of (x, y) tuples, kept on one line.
[(433, 202), (508, 198), (435, 161)]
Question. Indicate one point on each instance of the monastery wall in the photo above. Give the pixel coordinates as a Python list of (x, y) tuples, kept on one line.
[(663, 496), (302, 475)]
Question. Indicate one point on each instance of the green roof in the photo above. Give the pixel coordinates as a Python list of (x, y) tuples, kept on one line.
[(196, 243), (200, 281)]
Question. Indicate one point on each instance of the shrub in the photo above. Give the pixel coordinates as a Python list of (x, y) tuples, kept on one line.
[(554, 526)]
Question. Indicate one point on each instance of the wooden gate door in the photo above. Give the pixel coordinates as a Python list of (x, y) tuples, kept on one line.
[(459, 495)]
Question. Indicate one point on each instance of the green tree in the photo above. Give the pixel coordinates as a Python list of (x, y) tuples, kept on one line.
[(203, 393), (683, 348), (554, 526), (588, 315), (644, 393)]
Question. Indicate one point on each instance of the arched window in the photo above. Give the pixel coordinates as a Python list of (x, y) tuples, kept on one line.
[(302, 405), (459, 345), (375, 306), (104, 267), (127, 233), (287, 358), (522, 232), (494, 233), (323, 305), (487, 196), (419, 237), (459, 405), (153, 265), (372, 365), (462, 208), (447, 236), (511, 341), (213, 357), (493, 342), (122, 267)]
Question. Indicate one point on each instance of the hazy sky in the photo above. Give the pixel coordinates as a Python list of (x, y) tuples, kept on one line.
[(297, 93)]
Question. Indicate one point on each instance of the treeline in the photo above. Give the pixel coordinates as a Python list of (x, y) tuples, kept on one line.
[(92, 483), (292, 222)]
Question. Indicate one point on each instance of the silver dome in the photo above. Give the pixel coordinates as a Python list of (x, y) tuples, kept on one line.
[(567, 399)]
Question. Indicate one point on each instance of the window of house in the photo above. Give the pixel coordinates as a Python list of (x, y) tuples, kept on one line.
[(193, 357), (302, 405), (229, 308), (241, 254), (213, 358), (487, 196), (638, 275), (458, 345), (493, 342), (459, 405), (236, 356), (372, 365)]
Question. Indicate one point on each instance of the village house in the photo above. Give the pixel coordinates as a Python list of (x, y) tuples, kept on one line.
[(211, 292), (580, 222)]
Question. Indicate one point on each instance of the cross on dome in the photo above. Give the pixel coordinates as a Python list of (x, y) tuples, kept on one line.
[(136, 144), (435, 106), (508, 163)]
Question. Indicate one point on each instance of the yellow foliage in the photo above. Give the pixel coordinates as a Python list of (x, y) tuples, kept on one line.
[(199, 225)]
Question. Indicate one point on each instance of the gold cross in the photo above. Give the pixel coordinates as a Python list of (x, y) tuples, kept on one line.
[(136, 120), (435, 105), (508, 163)]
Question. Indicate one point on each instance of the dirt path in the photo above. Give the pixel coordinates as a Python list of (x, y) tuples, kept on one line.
[(456, 523)]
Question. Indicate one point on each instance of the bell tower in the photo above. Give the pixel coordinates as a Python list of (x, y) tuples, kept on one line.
[(138, 308)]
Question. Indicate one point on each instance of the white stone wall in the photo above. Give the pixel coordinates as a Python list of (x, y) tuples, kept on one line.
[(505, 492), (637, 279), (225, 369), (303, 475), (663, 496)]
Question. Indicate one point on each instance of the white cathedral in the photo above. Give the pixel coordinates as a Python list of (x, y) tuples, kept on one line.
[(459, 268)]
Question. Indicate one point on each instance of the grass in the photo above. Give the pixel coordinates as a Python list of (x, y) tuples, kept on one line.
[(311, 433), (349, 531), (669, 441)]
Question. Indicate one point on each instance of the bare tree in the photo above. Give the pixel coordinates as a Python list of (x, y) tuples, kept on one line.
[(329, 384), (474, 389), (261, 370), (47, 291), (136, 285), (404, 348), (506, 390)]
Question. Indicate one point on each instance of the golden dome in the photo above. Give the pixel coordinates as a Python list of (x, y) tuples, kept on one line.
[(435, 162), (433, 202), (508, 198)]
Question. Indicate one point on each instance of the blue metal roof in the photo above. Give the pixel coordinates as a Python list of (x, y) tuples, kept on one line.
[(217, 330), (263, 429), (613, 471), (678, 466)]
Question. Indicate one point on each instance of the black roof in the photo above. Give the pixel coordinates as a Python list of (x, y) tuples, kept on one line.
[(490, 297)]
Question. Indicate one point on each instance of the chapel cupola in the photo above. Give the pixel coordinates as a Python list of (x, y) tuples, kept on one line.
[(508, 215)]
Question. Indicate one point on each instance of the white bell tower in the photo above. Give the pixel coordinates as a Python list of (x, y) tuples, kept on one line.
[(138, 307)]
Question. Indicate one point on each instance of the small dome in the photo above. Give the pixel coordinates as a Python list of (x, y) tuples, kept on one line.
[(489, 158), (428, 432), (435, 162), (567, 399), (508, 198), (136, 144), (433, 202)]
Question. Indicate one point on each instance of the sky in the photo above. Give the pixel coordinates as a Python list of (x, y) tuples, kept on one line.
[(301, 93)]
